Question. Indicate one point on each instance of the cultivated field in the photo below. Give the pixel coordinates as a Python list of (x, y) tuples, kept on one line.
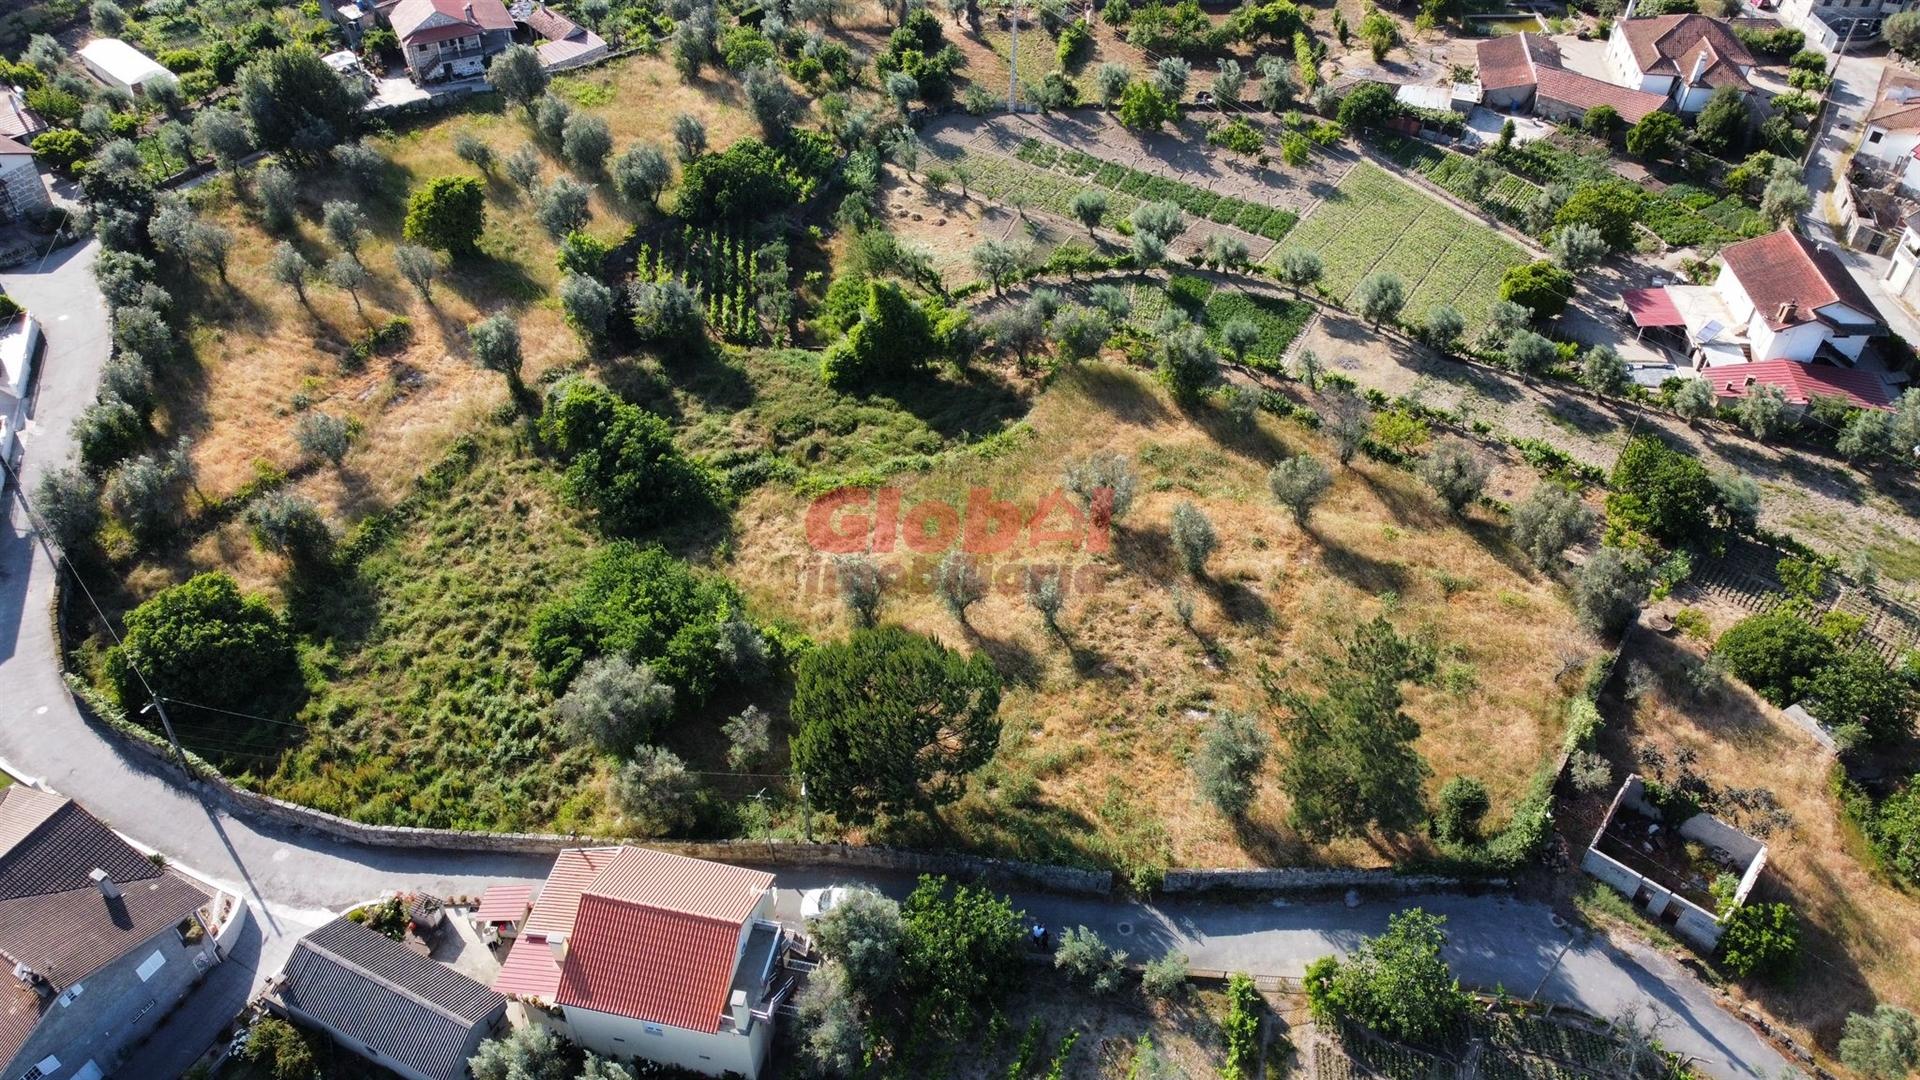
[(1374, 222)]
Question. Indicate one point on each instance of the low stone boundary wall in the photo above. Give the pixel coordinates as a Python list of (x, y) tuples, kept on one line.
[(1296, 879)]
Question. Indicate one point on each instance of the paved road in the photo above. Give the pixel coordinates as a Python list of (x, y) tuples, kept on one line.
[(293, 880)]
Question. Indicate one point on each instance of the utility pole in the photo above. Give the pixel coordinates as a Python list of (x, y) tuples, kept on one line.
[(1013, 58), (766, 817), (806, 812), (165, 723)]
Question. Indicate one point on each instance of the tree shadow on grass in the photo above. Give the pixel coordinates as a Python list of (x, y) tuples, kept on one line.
[(710, 375), (1363, 571), (972, 405), (1271, 844), (1413, 508), (1011, 655), (1238, 602), (488, 281), (1120, 391), (338, 607)]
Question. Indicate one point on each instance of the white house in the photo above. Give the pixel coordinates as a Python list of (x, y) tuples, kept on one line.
[(116, 63), (639, 953), (22, 191), (450, 39), (1795, 300), (1684, 58), (1891, 130)]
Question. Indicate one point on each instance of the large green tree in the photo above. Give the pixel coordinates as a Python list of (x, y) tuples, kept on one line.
[(890, 720), (963, 945), (295, 102), (1350, 764), (448, 214), (204, 642), (1662, 493), (894, 336)]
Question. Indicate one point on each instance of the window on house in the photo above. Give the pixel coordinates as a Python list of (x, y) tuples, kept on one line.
[(1874, 137)]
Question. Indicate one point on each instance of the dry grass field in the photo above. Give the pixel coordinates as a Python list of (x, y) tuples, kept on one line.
[(1100, 721)]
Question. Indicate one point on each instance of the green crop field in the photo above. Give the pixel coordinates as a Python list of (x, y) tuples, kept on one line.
[(1376, 222)]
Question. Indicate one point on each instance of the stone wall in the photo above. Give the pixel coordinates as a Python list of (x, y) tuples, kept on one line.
[(1297, 879)]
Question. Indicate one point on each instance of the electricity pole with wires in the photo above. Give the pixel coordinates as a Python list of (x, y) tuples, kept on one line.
[(1013, 57)]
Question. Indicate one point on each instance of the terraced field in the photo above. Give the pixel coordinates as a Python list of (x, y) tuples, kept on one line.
[(1373, 221)]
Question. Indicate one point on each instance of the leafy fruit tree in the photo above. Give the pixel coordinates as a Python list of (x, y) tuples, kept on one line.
[(1397, 984), (1541, 287), (1657, 135), (448, 214), (204, 641), (1611, 207), (1760, 939), (963, 946), (889, 721), (1350, 763), (895, 336), (1661, 492), (1145, 107)]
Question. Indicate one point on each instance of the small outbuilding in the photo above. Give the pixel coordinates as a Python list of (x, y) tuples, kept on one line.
[(118, 64), (1669, 869), (502, 911), (381, 1000)]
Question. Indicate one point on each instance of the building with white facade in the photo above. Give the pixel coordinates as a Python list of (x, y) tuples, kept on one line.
[(118, 64), (1890, 133), (1683, 58), (634, 952), (450, 39)]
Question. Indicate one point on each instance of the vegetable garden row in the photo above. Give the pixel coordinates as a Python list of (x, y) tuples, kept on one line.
[(1373, 221), (716, 263), (1251, 218)]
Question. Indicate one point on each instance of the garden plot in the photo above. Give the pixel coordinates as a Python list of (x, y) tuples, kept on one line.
[(1376, 222)]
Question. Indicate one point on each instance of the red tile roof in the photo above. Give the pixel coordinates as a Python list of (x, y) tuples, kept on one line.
[(572, 872), (1782, 268), (1803, 382), (1671, 44), (671, 882), (668, 967), (1584, 92), (650, 935), (550, 24), (1896, 101), (409, 17), (1508, 61)]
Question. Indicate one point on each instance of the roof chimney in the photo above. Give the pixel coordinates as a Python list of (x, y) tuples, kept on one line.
[(467, 11), (1788, 309), (1699, 68), (557, 943), (742, 1012), (105, 884)]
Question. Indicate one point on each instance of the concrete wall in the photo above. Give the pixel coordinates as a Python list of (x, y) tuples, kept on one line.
[(115, 1008), (712, 1053)]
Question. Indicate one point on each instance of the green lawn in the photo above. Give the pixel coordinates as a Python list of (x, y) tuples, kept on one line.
[(1376, 222)]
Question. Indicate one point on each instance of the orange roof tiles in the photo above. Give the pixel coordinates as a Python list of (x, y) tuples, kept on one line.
[(1784, 267), (668, 967)]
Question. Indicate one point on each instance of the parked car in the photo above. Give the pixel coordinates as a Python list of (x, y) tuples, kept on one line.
[(817, 902)]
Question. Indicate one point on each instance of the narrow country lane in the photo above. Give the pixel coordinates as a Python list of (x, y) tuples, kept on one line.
[(294, 880)]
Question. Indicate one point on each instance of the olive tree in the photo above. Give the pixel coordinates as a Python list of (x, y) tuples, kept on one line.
[(496, 345), (654, 791), (1299, 483), (1193, 537), (614, 704), (1455, 473), (1232, 753), (860, 587), (418, 266), (323, 436), (960, 583), (1379, 297), (1550, 520)]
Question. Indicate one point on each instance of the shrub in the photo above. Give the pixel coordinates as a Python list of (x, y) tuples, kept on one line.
[(1610, 588), (621, 460), (1165, 977), (1242, 1028), (1087, 959), (1760, 939), (864, 934), (646, 606), (1455, 473), (69, 502), (1232, 753), (1551, 520), (203, 641), (1463, 804), (287, 524), (748, 179)]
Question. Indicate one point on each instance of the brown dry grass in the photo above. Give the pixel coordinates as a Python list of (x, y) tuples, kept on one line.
[(258, 348), (1861, 932), (1100, 724)]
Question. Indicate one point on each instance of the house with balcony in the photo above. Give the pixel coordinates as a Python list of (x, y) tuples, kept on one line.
[(1683, 58), (102, 942), (634, 952), (450, 39)]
